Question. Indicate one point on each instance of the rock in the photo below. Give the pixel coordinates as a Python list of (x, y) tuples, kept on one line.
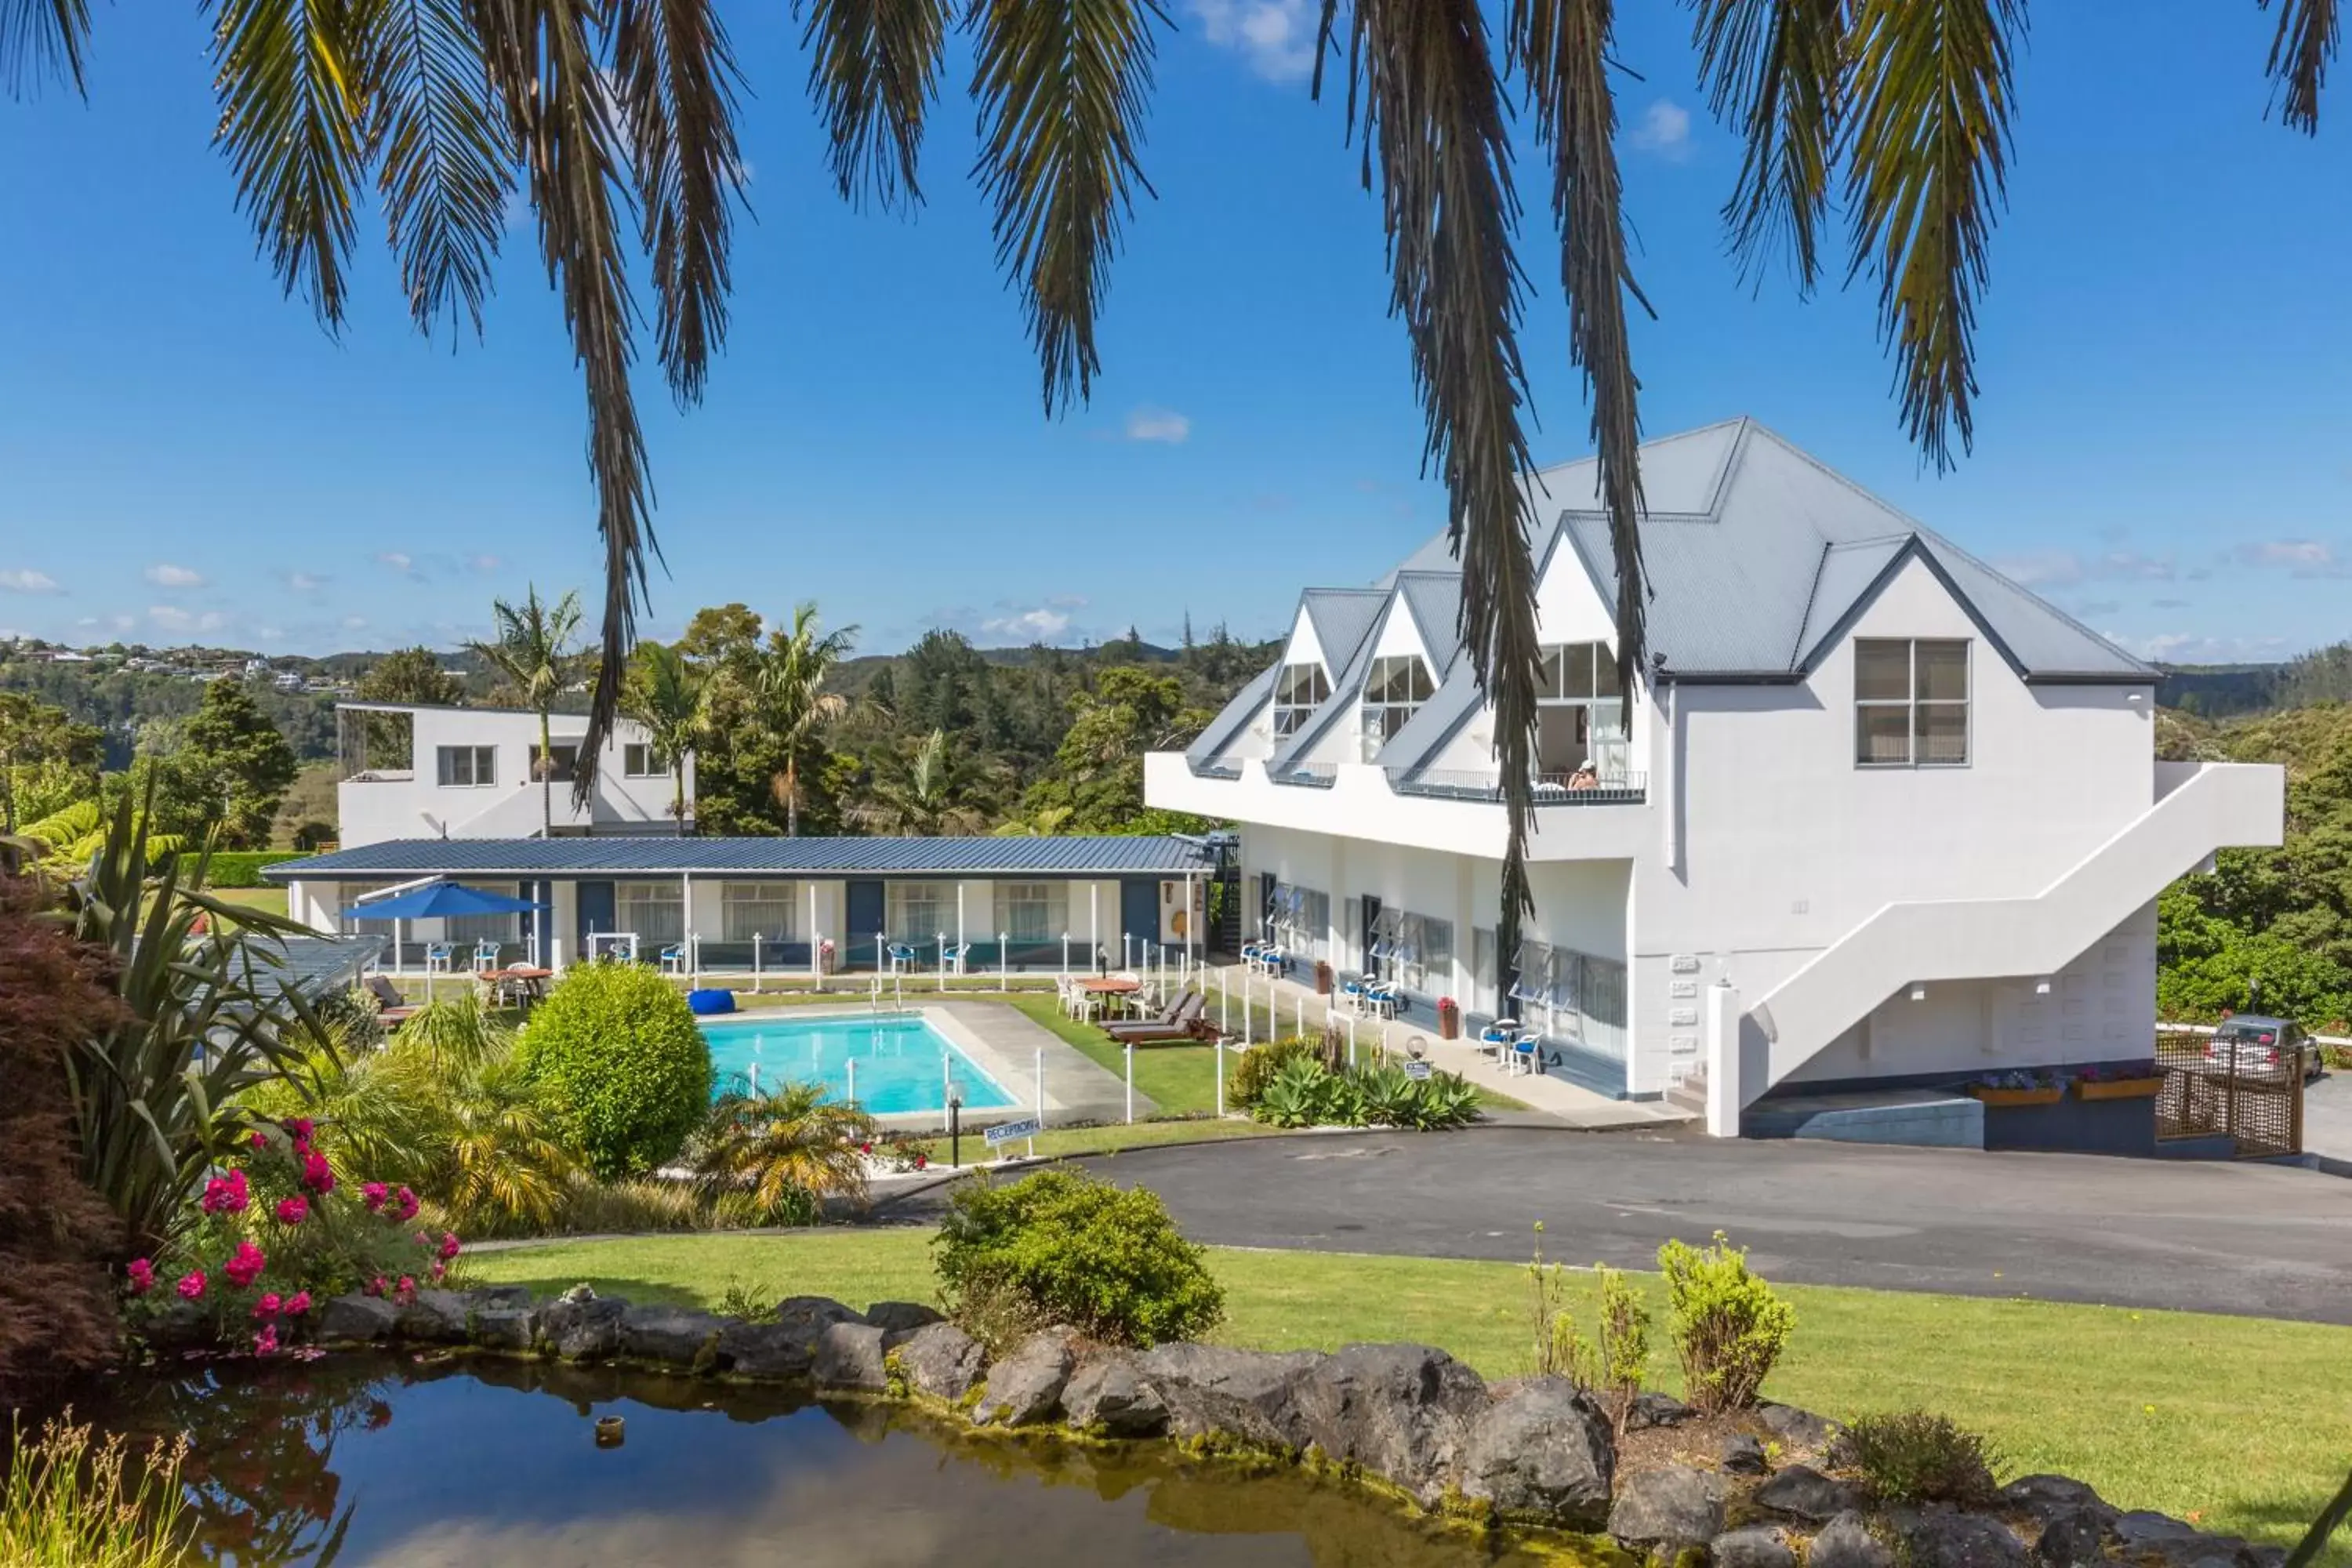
[(2158, 1539), (1398, 1411), (1845, 1543), (810, 1316), (583, 1326), (1742, 1456), (1106, 1398), (2142, 1528), (897, 1320), (435, 1317), (1658, 1410), (768, 1352), (674, 1336), (2046, 1497), (349, 1317), (1027, 1386), (1803, 1492), (2072, 1537), (1753, 1546), (184, 1325), (1540, 1454), (849, 1355), (1797, 1428), (1944, 1540), (941, 1360), (502, 1328), (1666, 1511), (484, 1297), (1248, 1397)]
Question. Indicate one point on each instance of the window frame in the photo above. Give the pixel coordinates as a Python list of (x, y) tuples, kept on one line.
[(445, 775), (1915, 707), (630, 897), (1382, 712), (735, 898), (631, 750), (1290, 712), (1049, 898), (566, 754), (940, 901)]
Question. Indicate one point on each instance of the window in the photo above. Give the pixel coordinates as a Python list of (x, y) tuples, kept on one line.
[(1397, 686), (1580, 712), (1482, 970), (768, 910), (468, 767), (919, 911), (566, 766), (1910, 702), (1302, 921), (638, 761), (1033, 911), (1299, 690), (655, 910)]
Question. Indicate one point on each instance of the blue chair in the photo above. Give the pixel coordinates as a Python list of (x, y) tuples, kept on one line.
[(1499, 1037), (673, 959), (902, 957), (1525, 1055)]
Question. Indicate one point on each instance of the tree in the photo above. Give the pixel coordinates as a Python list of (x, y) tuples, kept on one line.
[(1096, 776), (47, 760), (412, 676), (921, 795), (666, 696), (232, 739), (794, 702), (536, 654)]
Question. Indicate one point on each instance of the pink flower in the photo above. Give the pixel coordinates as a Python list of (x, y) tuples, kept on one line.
[(268, 1305), (293, 1210), (438, 1271), (245, 1264), (266, 1342), (259, 1141), (298, 1303), (191, 1285), (406, 1289), (226, 1195), (374, 1196), (300, 1127), (376, 1287), (142, 1273), (449, 1245), (405, 1207), (317, 1174)]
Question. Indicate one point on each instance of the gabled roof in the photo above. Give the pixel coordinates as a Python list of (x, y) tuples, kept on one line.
[(1435, 598), (1343, 619), (1107, 855)]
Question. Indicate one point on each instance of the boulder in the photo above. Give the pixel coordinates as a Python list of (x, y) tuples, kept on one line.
[(1947, 1540), (1658, 1410), (1753, 1546), (897, 1320), (1803, 1492), (1847, 1543), (1108, 1398), (184, 1325), (849, 1355), (1398, 1411), (363, 1317), (503, 1328), (2046, 1497), (941, 1360), (1540, 1454), (674, 1336), (485, 1296), (2143, 1528), (1742, 1455), (2158, 1539), (1027, 1386), (580, 1325), (1213, 1393), (1797, 1428), (768, 1352), (2072, 1538), (1667, 1511), (810, 1316), (433, 1317)]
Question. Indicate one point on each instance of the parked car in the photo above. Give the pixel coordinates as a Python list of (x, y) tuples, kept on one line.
[(2263, 1045)]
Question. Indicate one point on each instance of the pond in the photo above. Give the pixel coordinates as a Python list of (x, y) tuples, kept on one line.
[(369, 1460)]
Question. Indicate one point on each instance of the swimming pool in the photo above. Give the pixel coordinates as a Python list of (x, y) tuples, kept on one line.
[(903, 1063)]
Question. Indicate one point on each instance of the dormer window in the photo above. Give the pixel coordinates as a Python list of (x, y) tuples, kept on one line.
[(1580, 712), (1299, 690), (1393, 692)]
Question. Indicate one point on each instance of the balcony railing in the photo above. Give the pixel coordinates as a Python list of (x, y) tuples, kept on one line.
[(1216, 770), (1550, 789), (1310, 775)]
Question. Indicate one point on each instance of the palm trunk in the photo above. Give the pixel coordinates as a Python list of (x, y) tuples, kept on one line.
[(546, 778), (678, 794), (792, 799)]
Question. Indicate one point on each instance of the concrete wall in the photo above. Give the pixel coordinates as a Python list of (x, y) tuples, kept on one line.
[(371, 809)]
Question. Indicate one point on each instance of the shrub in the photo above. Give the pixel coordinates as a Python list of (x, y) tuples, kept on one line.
[(1254, 1069), (1914, 1456), (1062, 1247), (775, 1158), (618, 1047), (1728, 1325), (1304, 1093), (242, 868), (1294, 1096)]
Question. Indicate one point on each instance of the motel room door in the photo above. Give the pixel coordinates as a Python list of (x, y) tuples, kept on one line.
[(864, 913), (596, 910)]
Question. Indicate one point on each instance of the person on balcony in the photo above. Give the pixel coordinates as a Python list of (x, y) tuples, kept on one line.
[(1584, 777)]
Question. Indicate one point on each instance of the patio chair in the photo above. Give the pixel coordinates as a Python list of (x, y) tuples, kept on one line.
[(954, 959), (393, 1010), (672, 958), (1383, 1000), (1525, 1055), (1180, 1021), (485, 956), (902, 957), (1499, 1037), (438, 956)]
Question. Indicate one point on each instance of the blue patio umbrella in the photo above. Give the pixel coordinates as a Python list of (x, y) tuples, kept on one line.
[(442, 900)]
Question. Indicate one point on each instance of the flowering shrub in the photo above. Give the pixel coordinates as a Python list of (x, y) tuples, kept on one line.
[(280, 1229)]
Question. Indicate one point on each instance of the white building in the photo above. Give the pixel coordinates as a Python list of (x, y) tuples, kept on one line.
[(408, 771), (1886, 815)]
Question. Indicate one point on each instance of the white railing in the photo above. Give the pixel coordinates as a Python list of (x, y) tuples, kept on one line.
[(1627, 788)]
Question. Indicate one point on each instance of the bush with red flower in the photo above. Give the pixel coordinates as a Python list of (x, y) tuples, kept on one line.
[(280, 1229)]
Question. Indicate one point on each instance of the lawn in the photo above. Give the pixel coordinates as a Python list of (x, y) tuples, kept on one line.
[(2242, 1425), (268, 901), (1062, 1143)]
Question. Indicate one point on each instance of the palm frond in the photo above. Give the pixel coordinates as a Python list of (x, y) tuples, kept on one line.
[(1773, 70), (1424, 93), (543, 68), (1928, 155), (1061, 86), (2300, 55), (675, 78), (287, 76), (873, 67), (444, 156), (42, 38)]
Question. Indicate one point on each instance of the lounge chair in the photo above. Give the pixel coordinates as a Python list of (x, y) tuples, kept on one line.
[(393, 1010), (1181, 1022)]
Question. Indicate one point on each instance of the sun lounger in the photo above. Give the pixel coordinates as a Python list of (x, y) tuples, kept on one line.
[(392, 1007), (1178, 1023)]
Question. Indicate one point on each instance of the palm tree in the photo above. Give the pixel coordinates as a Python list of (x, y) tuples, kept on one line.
[(787, 1149), (626, 108), (670, 697), (536, 653), (795, 704), (922, 796)]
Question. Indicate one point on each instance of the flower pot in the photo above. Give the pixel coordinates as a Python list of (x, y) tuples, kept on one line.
[(2119, 1087), (2018, 1096)]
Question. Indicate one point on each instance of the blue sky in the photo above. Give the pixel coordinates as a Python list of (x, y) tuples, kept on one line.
[(2164, 443)]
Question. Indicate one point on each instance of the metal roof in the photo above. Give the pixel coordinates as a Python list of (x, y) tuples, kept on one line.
[(644, 855)]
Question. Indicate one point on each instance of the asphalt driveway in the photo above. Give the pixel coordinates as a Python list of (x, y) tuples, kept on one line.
[(2327, 1116), (2259, 1240)]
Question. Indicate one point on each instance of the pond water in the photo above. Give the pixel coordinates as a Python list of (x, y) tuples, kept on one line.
[(358, 1461)]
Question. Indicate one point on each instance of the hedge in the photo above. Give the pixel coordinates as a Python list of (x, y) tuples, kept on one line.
[(242, 868)]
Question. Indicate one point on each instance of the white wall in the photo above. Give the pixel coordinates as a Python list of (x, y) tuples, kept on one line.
[(371, 809)]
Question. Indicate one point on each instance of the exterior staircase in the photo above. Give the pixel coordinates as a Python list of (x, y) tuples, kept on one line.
[(1690, 1095)]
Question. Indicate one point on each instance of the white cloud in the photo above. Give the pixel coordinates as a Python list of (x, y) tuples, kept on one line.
[(124, 623), (2296, 557), (399, 561), (1275, 36), (2198, 647), (1164, 424), (27, 581), (1663, 129), (2061, 568), (171, 618), (354, 622), (2042, 568), (1040, 625), (163, 574), (483, 563), (307, 581)]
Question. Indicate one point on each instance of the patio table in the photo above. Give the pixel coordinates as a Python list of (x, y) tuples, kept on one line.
[(525, 984)]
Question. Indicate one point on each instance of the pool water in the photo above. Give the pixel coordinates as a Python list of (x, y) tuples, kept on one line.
[(903, 1064)]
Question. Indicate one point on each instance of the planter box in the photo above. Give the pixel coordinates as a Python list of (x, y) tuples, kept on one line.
[(2120, 1088), (2018, 1096)]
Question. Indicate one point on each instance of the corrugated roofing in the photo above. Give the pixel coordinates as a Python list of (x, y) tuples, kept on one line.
[(1435, 600), (1107, 855), (1846, 572), (1233, 718), (1343, 618)]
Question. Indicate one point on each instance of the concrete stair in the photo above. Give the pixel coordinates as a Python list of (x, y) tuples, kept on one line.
[(1690, 1095)]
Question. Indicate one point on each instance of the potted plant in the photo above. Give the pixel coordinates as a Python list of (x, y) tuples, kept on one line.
[(2019, 1089), (2128, 1080)]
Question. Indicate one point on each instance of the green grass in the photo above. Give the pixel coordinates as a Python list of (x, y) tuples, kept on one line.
[(1061, 1142), (268, 901), (2242, 1424)]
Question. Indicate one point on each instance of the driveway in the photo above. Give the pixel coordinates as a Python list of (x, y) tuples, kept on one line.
[(2258, 1240), (2327, 1116)]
